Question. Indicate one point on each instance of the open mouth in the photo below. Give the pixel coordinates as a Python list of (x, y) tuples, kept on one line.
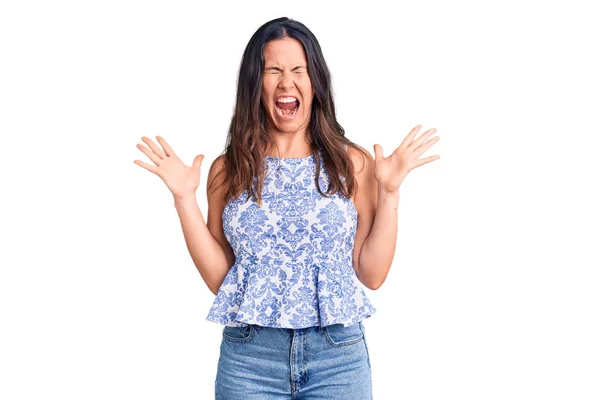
[(287, 107)]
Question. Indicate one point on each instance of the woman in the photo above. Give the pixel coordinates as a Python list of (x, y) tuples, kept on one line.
[(298, 217)]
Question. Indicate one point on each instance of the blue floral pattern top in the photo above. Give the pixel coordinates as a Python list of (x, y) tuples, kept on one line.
[(293, 255)]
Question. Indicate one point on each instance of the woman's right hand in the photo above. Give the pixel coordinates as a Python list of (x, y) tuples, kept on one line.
[(181, 180)]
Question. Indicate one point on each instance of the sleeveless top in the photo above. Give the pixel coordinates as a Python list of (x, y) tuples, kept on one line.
[(293, 254)]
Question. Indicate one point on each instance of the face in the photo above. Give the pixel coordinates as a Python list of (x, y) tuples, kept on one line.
[(287, 91)]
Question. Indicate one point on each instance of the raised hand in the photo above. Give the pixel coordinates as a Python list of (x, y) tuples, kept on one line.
[(391, 171), (181, 180)]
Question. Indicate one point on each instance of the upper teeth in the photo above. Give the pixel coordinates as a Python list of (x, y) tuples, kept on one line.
[(286, 99)]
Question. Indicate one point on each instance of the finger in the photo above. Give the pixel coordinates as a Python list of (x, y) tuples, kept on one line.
[(426, 160), (154, 147), (149, 167), (155, 159), (425, 146), (198, 161), (409, 138), (422, 138), (378, 152), (168, 150)]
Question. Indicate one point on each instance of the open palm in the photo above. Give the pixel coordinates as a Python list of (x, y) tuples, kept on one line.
[(181, 180), (390, 171)]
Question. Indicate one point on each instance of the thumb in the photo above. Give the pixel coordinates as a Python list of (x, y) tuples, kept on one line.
[(378, 152), (198, 161)]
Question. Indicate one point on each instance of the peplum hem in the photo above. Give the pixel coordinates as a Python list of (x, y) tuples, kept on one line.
[(334, 301), (342, 299)]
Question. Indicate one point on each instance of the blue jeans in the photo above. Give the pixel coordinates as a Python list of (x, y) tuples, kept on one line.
[(264, 363)]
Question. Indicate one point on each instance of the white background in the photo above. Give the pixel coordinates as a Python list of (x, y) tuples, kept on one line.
[(493, 293)]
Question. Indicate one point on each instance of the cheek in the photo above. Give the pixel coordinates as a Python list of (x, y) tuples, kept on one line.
[(309, 97), (265, 99), (309, 91), (308, 105), (264, 95)]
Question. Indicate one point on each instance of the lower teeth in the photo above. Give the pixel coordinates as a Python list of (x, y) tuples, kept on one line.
[(280, 111)]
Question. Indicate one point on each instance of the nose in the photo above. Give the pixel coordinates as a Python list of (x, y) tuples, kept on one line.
[(287, 79)]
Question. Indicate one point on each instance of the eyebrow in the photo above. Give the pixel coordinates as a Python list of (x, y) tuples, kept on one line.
[(279, 69)]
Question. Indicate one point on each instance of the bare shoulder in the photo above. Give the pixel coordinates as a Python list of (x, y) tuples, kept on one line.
[(216, 170), (365, 195), (362, 160)]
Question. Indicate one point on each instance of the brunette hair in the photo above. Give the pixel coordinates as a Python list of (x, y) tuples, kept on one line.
[(248, 140)]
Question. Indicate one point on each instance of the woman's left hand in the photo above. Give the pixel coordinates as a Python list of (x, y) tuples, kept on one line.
[(391, 171)]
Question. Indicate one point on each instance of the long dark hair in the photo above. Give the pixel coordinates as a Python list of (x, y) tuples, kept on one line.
[(247, 140)]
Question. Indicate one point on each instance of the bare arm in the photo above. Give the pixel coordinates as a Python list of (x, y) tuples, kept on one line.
[(206, 242), (378, 249), (376, 233)]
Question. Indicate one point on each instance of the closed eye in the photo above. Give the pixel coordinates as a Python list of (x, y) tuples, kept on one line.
[(274, 70)]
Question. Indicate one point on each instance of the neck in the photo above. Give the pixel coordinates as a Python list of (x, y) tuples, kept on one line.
[(292, 145)]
